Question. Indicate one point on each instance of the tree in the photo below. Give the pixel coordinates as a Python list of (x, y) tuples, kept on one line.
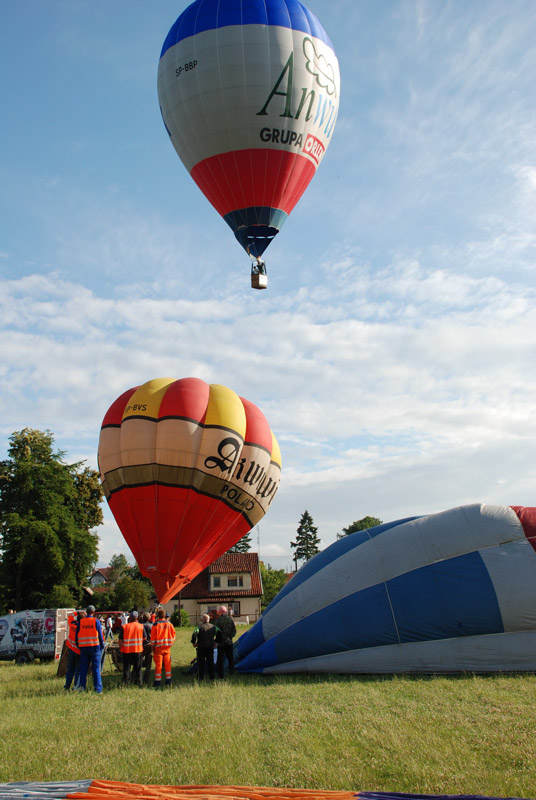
[(118, 567), (47, 511), (359, 525), (273, 581), (128, 594), (242, 546), (126, 587), (135, 573), (307, 541)]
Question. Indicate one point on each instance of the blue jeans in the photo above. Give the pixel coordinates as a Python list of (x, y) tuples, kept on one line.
[(90, 655), (73, 669)]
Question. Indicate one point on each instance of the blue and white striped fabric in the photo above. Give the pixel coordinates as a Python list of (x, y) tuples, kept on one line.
[(448, 592)]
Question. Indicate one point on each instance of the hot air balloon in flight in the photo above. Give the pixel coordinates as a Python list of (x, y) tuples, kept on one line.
[(188, 469), (249, 95), (448, 592)]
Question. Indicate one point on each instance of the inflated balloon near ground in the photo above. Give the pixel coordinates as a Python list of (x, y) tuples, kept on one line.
[(188, 469), (449, 592)]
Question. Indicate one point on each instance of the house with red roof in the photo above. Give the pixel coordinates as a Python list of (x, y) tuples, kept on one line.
[(100, 577), (233, 580)]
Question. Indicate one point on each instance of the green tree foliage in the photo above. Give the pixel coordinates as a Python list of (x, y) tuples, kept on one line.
[(135, 573), (242, 546), (273, 581), (359, 525), (47, 511), (307, 541), (126, 588), (128, 594), (180, 619), (118, 567)]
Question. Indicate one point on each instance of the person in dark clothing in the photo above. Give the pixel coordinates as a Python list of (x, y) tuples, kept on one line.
[(226, 625), (147, 648), (131, 644), (204, 638)]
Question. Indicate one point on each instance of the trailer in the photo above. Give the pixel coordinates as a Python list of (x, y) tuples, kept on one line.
[(31, 634)]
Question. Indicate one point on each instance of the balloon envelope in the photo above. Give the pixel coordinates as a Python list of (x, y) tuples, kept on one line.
[(187, 469), (249, 95), (448, 592)]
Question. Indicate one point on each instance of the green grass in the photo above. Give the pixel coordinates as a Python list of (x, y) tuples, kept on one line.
[(460, 734)]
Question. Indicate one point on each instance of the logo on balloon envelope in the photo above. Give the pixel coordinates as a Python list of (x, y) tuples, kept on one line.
[(316, 107), (243, 470), (314, 148)]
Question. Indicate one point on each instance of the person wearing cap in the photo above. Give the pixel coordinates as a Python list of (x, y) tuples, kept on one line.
[(162, 637), (73, 663), (226, 625), (89, 639), (131, 638)]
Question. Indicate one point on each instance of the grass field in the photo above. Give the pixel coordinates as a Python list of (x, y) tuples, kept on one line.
[(460, 734)]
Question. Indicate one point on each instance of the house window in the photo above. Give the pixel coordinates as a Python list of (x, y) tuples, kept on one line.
[(234, 609), (235, 581), (216, 582)]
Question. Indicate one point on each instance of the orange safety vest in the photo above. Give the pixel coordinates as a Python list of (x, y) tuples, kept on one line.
[(70, 641), (132, 641), (162, 634), (88, 635)]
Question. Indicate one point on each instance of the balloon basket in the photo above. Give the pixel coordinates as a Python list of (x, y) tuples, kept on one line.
[(259, 281)]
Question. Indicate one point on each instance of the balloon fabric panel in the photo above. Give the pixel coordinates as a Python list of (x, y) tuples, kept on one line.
[(249, 96), (447, 592), (179, 478)]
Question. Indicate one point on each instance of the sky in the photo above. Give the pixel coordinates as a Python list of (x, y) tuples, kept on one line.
[(393, 352)]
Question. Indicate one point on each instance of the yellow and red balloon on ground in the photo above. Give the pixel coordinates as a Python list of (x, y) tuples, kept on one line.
[(188, 469)]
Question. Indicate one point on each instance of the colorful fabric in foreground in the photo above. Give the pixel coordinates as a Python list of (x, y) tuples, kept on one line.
[(108, 790), (449, 592)]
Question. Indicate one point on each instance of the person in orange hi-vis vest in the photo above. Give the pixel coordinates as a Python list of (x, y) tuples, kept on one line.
[(91, 643), (73, 663), (131, 638), (162, 637)]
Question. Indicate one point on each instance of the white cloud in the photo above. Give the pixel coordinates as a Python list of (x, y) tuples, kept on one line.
[(393, 353)]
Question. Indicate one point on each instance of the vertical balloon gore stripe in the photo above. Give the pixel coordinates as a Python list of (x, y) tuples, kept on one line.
[(186, 398), (281, 13), (114, 415), (527, 517), (225, 410), (257, 429), (276, 452), (253, 178), (146, 399)]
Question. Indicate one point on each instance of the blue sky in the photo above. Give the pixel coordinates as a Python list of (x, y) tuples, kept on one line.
[(394, 350)]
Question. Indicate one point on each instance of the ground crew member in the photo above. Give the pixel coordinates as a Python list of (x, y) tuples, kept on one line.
[(90, 641), (162, 637), (131, 638), (225, 646), (147, 659), (73, 652), (204, 639)]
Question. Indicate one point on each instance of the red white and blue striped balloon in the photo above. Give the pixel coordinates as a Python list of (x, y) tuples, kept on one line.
[(249, 94), (449, 592)]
